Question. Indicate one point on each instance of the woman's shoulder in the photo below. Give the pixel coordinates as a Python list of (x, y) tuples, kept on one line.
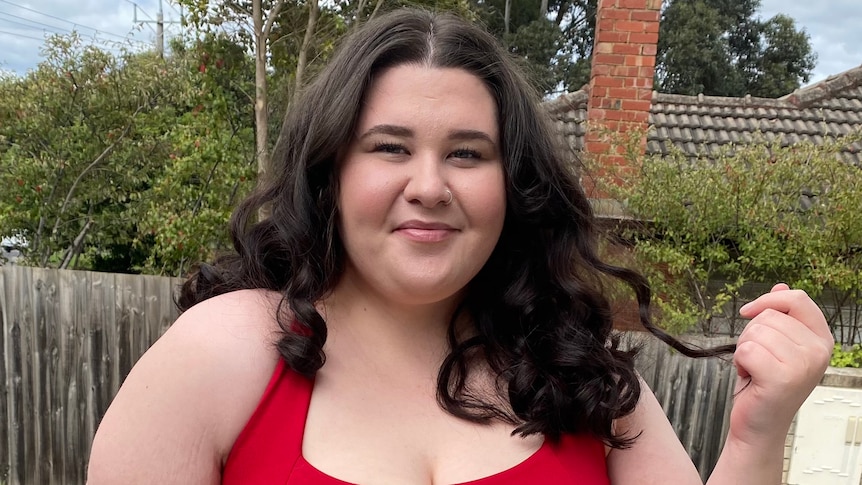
[(189, 396), (236, 307), (235, 332)]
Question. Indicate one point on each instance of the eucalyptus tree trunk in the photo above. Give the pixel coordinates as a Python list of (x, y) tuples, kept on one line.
[(262, 30), (313, 12), (506, 16)]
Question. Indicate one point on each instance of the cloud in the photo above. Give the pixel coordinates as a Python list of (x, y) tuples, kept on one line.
[(833, 27)]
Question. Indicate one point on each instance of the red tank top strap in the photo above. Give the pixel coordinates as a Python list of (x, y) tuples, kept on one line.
[(271, 442)]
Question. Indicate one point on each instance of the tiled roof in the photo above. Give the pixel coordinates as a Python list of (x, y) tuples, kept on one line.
[(697, 123)]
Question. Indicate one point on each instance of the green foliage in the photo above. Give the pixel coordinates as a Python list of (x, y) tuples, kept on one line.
[(754, 213), (723, 48), (852, 357), (126, 163), (555, 45)]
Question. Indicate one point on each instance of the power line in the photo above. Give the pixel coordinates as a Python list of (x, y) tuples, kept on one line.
[(28, 27), (58, 30), (21, 35), (62, 19), (31, 21)]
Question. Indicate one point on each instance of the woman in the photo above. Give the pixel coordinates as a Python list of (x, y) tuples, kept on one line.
[(424, 306)]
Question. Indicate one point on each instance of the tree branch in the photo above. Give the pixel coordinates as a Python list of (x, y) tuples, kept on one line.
[(358, 18), (75, 247), (92, 165), (314, 8), (270, 18)]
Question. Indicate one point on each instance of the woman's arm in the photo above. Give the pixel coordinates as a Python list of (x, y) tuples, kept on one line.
[(780, 357), (181, 407)]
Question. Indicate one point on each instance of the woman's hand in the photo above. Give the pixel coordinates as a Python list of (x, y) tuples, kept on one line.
[(781, 355)]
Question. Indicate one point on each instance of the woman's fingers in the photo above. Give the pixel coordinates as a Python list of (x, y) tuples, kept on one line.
[(794, 303)]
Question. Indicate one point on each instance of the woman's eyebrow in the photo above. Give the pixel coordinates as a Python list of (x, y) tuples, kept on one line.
[(469, 135), (393, 130)]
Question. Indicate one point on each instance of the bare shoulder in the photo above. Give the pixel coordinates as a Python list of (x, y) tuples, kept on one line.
[(186, 400), (657, 456)]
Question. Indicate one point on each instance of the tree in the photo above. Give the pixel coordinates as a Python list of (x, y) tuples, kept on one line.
[(123, 163), (720, 47), (554, 38), (755, 213), (259, 17)]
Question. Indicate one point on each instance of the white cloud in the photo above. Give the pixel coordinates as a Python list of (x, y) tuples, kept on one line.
[(833, 26)]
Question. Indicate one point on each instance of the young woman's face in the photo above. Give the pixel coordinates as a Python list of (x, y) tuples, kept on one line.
[(422, 134)]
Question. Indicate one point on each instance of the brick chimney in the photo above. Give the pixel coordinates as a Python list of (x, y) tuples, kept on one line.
[(621, 80)]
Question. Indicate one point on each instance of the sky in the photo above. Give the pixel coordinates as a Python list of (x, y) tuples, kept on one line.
[(831, 24)]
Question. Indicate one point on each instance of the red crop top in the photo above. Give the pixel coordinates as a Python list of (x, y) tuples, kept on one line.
[(269, 448)]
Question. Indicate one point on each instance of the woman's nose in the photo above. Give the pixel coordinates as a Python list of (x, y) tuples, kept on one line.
[(426, 184)]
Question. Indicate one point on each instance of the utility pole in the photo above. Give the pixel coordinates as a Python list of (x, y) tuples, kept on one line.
[(160, 27)]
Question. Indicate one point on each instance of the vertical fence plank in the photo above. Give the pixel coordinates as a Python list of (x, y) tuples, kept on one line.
[(6, 431)]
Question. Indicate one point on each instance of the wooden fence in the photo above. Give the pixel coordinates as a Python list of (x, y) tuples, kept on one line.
[(70, 337), (68, 340)]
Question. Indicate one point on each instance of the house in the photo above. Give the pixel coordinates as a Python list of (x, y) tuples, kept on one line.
[(695, 123), (620, 97)]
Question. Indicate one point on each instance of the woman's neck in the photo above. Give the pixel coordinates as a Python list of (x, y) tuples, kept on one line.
[(385, 330)]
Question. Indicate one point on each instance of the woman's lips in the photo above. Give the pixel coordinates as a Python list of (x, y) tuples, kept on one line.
[(424, 231)]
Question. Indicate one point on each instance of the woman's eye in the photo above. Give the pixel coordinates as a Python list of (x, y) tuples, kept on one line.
[(390, 148), (466, 153)]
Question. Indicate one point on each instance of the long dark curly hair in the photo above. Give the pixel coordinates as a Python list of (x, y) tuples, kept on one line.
[(543, 322)]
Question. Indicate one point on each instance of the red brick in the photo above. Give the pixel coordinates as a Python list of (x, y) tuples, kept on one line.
[(605, 48), (613, 161), (650, 49), (611, 36), (651, 27), (640, 61), (626, 49), (597, 147), (624, 71), (639, 117), (633, 61), (597, 92), (608, 81), (646, 15), (646, 94), (607, 4), (621, 115), (635, 105), (595, 113), (609, 103), (649, 39), (608, 59), (616, 14), (632, 82), (629, 26), (602, 70), (632, 4), (606, 25), (623, 93)]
